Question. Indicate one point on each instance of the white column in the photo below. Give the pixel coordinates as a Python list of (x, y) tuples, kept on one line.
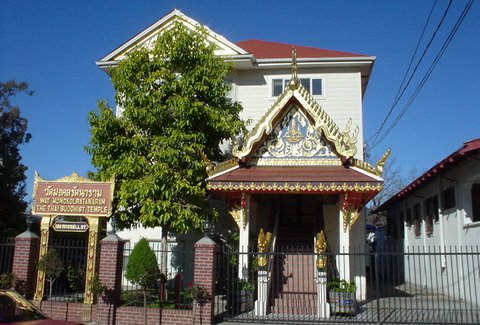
[(262, 294), (244, 230), (343, 261), (323, 307)]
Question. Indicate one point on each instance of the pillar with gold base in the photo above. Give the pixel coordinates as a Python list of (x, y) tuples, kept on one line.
[(244, 231), (323, 307), (93, 223), (44, 236)]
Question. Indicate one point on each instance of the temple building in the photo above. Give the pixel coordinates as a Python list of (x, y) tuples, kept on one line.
[(300, 173)]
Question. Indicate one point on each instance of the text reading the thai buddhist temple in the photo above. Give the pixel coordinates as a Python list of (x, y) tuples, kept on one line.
[(72, 199)]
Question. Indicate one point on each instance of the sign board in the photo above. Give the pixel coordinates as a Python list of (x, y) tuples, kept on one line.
[(70, 226), (72, 196)]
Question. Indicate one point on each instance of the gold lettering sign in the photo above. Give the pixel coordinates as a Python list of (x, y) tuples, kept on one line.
[(72, 195)]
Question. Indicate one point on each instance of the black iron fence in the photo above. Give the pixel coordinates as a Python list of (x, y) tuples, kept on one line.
[(7, 246), (172, 290), (70, 285), (435, 285)]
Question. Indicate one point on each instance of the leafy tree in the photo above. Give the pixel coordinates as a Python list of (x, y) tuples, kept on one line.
[(142, 269), (174, 114), (52, 265), (13, 133)]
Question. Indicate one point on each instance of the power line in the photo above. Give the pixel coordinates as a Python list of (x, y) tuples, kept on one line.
[(400, 91), (429, 71)]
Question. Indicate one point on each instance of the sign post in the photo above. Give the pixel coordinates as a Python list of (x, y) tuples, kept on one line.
[(72, 196)]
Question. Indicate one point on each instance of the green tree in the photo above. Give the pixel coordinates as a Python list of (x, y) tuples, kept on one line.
[(52, 265), (13, 133), (175, 113), (142, 269)]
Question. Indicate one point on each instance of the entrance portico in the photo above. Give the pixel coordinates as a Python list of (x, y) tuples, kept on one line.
[(296, 177)]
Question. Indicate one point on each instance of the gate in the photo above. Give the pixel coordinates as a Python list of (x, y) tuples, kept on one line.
[(410, 286)]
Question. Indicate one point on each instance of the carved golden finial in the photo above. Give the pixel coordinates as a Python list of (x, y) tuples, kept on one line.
[(263, 246), (381, 162), (208, 164), (294, 81), (321, 244), (264, 241), (321, 247)]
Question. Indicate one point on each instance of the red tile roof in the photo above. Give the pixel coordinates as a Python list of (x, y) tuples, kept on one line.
[(469, 148), (313, 175), (274, 50)]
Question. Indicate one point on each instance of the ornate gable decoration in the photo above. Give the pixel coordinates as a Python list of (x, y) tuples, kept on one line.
[(294, 142), (342, 143), (147, 37)]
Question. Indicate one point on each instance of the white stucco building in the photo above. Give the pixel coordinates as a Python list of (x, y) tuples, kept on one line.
[(439, 212)]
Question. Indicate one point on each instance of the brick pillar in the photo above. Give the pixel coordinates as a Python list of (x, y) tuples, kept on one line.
[(204, 276), (110, 269), (25, 258)]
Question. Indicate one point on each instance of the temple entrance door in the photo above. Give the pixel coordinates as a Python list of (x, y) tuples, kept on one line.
[(301, 217)]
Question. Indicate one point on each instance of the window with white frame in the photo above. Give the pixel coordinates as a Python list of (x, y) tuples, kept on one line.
[(314, 85)]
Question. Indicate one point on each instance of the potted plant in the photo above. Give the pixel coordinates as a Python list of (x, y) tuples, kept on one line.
[(341, 295), (240, 296)]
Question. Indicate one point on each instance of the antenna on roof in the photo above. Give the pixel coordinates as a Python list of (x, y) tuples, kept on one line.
[(294, 81)]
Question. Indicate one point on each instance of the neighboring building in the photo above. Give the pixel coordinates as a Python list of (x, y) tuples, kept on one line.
[(301, 169), (440, 212)]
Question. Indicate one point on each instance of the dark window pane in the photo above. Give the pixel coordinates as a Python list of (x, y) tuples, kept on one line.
[(476, 202), (305, 83), (449, 198), (317, 87), (277, 87)]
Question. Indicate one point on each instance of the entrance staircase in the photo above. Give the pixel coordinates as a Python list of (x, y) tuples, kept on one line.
[(293, 289)]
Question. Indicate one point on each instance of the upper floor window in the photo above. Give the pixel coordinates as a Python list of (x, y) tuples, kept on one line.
[(409, 220), (417, 220), (476, 202), (448, 198), (231, 94), (313, 85), (431, 214)]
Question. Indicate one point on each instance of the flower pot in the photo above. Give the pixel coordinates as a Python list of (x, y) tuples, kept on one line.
[(342, 303)]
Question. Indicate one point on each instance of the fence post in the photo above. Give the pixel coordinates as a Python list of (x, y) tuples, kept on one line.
[(204, 276), (25, 257), (110, 273)]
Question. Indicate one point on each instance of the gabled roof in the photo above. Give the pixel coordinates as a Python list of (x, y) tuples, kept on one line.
[(342, 142), (150, 34), (469, 148), (264, 49)]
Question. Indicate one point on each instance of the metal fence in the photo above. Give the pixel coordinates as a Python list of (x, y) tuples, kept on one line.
[(7, 246), (437, 285), (172, 290), (70, 285)]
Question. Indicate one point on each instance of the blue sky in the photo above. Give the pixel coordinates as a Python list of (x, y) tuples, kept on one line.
[(53, 45)]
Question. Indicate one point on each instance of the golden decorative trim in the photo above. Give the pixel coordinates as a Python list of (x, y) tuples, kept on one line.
[(294, 81), (378, 169), (236, 212), (320, 248), (263, 247), (44, 235), (382, 161), (91, 258), (223, 166), (343, 143), (289, 187), (209, 165), (350, 215), (295, 162)]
